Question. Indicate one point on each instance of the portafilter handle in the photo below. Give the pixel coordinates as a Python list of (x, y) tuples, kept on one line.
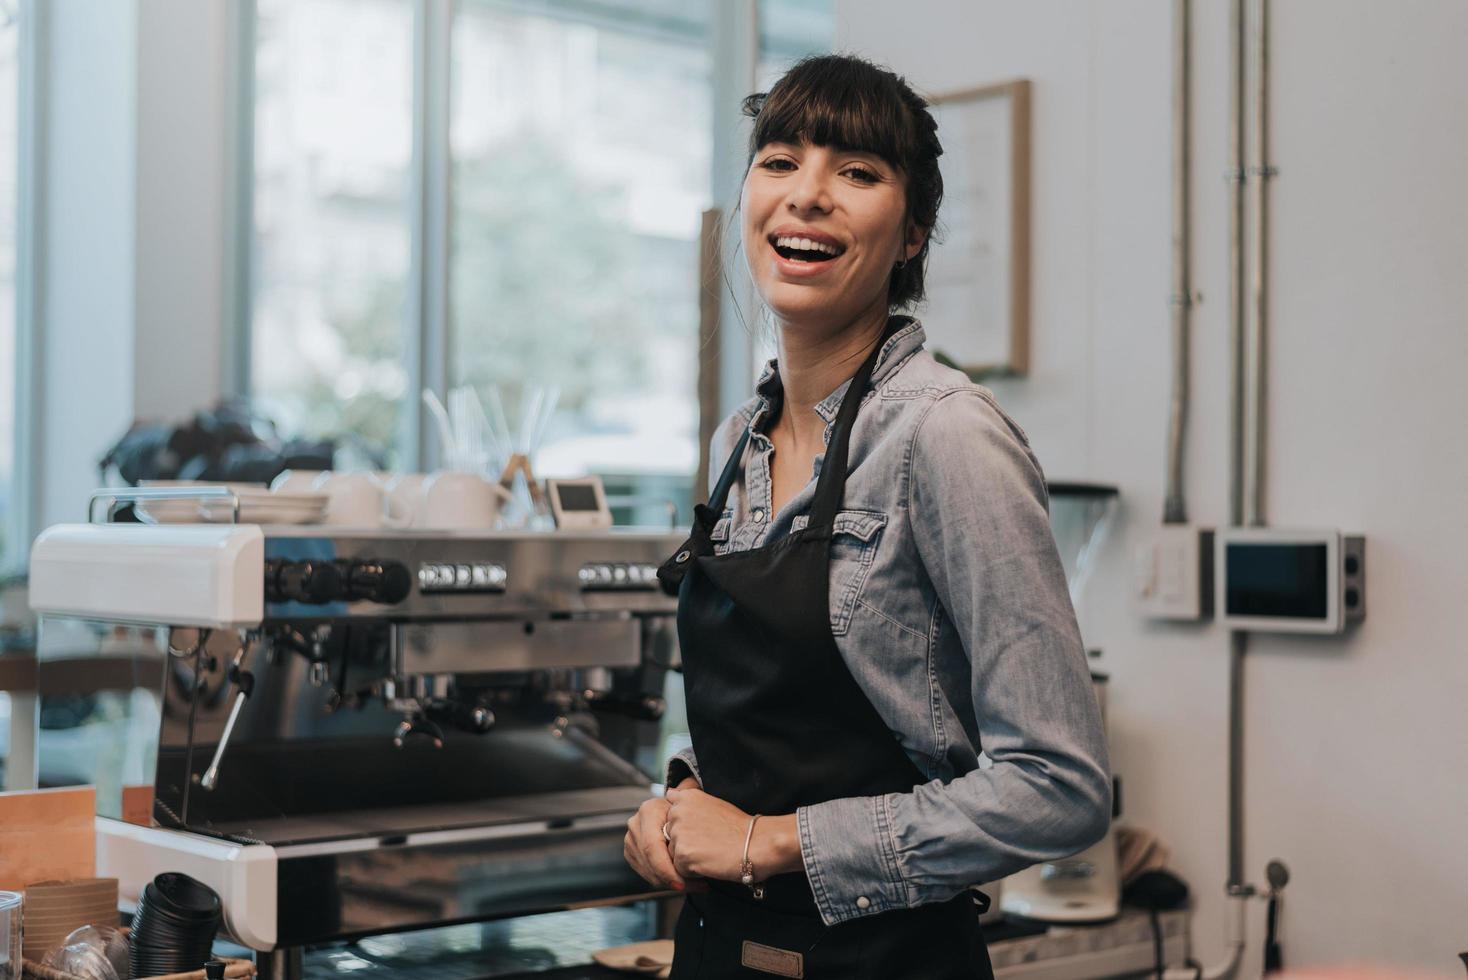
[(417, 725), (245, 681), (640, 707), (476, 719)]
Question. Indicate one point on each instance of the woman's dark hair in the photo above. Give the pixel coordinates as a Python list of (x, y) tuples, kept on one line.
[(849, 103)]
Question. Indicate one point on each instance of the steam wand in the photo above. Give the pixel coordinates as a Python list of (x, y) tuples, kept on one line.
[(245, 682)]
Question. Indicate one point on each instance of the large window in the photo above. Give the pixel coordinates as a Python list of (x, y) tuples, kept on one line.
[(788, 31), (333, 147), (569, 151), (580, 167)]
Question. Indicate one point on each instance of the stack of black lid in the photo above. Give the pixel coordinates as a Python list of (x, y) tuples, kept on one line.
[(174, 926)]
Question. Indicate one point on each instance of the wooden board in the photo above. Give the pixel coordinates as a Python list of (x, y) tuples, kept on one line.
[(137, 805), (47, 835)]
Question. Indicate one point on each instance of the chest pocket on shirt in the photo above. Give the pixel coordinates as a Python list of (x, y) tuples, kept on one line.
[(720, 533), (853, 549)]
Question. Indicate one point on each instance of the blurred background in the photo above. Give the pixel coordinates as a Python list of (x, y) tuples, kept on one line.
[(313, 210)]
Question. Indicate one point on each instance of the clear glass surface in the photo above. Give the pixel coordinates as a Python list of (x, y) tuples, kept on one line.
[(790, 30), (1080, 523), (101, 734), (581, 165), (10, 910), (331, 246)]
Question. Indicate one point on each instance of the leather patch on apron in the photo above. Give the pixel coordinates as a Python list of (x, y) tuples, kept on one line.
[(769, 959)]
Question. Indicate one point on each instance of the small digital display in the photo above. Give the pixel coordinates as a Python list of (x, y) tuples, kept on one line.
[(1277, 580), (577, 497)]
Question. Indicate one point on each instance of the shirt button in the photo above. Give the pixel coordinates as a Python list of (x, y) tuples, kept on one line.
[(759, 514), (863, 902)]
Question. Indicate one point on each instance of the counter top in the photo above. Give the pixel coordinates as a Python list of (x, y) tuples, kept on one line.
[(558, 946)]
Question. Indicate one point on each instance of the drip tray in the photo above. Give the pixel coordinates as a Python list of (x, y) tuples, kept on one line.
[(563, 809)]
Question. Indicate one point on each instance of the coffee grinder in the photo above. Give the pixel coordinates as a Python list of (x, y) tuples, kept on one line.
[(1084, 887)]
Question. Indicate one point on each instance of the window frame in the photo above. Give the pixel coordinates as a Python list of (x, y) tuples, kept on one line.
[(21, 521), (734, 44)]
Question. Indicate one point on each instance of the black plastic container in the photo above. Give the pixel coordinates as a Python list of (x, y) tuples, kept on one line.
[(173, 927)]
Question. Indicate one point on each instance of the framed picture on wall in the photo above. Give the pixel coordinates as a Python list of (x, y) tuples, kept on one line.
[(977, 313)]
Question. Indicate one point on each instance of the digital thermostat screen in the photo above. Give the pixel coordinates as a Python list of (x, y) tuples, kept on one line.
[(1277, 580), (577, 496)]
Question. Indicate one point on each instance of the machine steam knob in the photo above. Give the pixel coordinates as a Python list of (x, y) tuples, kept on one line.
[(382, 581), (642, 707), (312, 582)]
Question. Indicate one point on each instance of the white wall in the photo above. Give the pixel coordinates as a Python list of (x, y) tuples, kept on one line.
[(1357, 748)]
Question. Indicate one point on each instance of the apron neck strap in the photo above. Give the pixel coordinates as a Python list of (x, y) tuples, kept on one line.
[(731, 472), (831, 486), (832, 483)]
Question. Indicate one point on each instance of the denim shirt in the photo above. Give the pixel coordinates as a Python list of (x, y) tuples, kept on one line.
[(949, 605)]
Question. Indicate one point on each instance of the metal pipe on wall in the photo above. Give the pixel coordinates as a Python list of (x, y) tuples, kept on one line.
[(1256, 388), (1247, 391), (1238, 430), (1236, 176), (1174, 508), (1238, 889)]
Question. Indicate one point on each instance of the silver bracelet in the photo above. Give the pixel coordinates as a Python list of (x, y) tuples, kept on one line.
[(746, 870)]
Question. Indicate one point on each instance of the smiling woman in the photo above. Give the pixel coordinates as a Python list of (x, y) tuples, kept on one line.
[(871, 594), (832, 222), (874, 132)]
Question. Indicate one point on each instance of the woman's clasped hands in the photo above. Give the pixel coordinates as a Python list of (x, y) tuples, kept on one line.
[(689, 837)]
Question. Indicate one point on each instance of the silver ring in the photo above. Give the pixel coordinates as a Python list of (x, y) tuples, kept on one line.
[(667, 836)]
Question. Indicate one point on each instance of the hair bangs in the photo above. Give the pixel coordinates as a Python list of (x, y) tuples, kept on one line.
[(840, 109)]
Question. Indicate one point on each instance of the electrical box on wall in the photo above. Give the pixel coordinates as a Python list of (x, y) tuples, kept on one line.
[(1173, 573)]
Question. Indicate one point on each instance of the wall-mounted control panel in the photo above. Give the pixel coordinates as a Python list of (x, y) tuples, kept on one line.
[(1290, 581)]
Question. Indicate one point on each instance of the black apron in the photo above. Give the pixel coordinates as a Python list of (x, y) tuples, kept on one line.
[(778, 722)]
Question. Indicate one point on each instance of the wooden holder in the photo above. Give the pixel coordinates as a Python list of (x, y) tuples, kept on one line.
[(233, 970)]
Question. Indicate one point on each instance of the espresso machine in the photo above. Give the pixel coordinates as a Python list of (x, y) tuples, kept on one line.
[(345, 732)]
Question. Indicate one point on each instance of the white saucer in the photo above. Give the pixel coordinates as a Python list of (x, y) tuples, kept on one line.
[(258, 505)]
